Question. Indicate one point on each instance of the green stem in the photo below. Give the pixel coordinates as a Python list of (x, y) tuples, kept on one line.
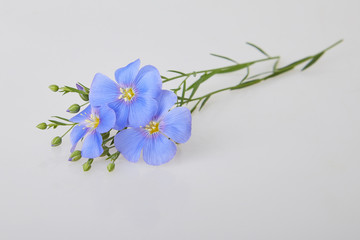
[(231, 68), (73, 125), (245, 82)]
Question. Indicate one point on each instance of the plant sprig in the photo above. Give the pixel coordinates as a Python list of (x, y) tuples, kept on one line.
[(186, 93), (246, 81)]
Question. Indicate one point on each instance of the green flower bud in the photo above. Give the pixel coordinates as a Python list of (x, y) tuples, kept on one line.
[(54, 88), (84, 97), (42, 126), (75, 156), (87, 165), (73, 108), (111, 167), (56, 141)]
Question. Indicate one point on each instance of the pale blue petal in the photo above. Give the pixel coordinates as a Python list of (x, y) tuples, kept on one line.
[(82, 116), (158, 150), (103, 90), (142, 110), (92, 145), (124, 76), (148, 81), (121, 109), (176, 124), (76, 134), (166, 100), (106, 119), (130, 142)]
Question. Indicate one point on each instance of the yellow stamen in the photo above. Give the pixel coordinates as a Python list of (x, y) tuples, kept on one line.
[(152, 127), (127, 94), (93, 121)]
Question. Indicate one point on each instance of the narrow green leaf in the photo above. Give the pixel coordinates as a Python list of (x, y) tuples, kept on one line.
[(223, 57), (293, 65), (178, 72), (246, 76), (246, 84), (204, 102), (258, 48), (58, 123), (193, 109), (202, 79), (313, 60), (183, 94), (70, 89), (233, 68), (62, 118)]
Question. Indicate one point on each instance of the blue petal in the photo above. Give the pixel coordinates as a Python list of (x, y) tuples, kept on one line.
[(177, 124), (76, 134), (130, 142), (158, 150), (148, 81), (103, 90), (124, 76), (166, 100), (82, 116), (142, 110), (92, 145), (106, 119), (122, 114)]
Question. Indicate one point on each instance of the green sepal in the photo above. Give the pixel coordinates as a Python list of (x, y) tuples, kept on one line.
[(87, 165), (42, 126), (75, 156), (111, 166), (54, 88), (74, 108), (56, 141)]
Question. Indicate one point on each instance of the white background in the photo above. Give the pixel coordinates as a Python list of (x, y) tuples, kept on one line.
[(278, 160)]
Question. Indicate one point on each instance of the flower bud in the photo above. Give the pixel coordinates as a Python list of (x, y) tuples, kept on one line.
[(84, 97), (73, 108), (79, 87), (56, 141), (76, 155), (87, 165), (42, 126), (54, 88), (111, 167)]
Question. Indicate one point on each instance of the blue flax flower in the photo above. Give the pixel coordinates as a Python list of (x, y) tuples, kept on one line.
[(92, 121), (153, 138), (132, 96)]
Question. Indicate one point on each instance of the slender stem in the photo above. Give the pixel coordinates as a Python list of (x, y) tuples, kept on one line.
[(73, 125), (84, 104), (219, 70), (246, 80)]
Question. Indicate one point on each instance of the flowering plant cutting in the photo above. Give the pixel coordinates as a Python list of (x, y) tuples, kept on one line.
[(134, 115)]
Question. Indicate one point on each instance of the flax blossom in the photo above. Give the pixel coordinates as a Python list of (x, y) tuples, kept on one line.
[(92, 121), (157, 137), (132, 96)]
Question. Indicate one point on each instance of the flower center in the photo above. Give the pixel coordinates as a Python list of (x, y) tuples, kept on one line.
[(93, 121), (152, 127), (127, 94)]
